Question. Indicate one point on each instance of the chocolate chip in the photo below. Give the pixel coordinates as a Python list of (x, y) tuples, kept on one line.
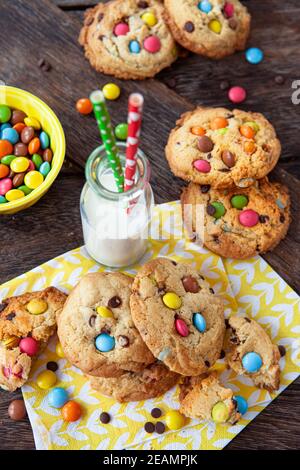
[(227, 323), (114, 302), (204, 188), (10, 316), (224, 85), (104, 417), (279, 79), (92, 320), (105, 330), (216, 239), (160, 427), (211, 290), (173, 262), (209, 156), (264, 218), (282, 219), (235, 403), (205, 144), (52, 366), (156, 413), (248, 319), (142, 4), (123, 341), (149, 427), (222, 355), (100, 17), (207, 363), (3, 306), (233, 23), (224, 170), (211, 210), (190, 284), (282, 350), (189, 27), (234, 340), (101, 37), (228, 158)]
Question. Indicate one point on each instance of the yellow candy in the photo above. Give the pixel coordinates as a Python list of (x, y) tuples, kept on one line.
[(220, 413), (36, 306), (32, 122), (46, 379), (104, 312), (59, 350), (33, 179), (149, 19), (19, 164), (174, 420), (111, 91), (11, 342), (215, 26), (14, 194), (172, 300)]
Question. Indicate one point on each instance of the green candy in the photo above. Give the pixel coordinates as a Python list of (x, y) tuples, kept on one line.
[(37, 160), (7, 159), (121, 131), (253, 125), (25, 189), (239, 201), (223, 131), (5, 113), (220, 413), (219, 209)]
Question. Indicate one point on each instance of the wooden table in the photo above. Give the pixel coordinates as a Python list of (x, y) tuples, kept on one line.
[(39, 29)]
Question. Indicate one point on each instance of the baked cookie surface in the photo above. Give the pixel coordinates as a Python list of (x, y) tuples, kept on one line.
[(238, 223), (200, 397), (96, 330), (213, 28), (222, 148), (152, 382), (246, 338), (14, 368), (128, 38), (178, 316)]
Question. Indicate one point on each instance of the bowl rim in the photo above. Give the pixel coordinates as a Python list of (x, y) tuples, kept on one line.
[(38, 192)]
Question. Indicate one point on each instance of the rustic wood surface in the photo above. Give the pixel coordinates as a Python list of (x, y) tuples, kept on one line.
[(42, 30)]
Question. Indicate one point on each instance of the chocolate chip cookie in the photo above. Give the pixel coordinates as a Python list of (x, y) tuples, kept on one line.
[(96, 330), (128, 38), (237, 223), (178, 316), (222, 148), (213, 28)]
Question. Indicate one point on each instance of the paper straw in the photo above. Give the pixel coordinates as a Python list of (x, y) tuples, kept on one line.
[(135, 109), (104, 124)]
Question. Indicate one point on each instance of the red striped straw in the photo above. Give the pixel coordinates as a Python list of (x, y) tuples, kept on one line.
[(135, 111)]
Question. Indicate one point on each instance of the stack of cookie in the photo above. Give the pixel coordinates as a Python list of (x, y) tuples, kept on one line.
[(226, 156)]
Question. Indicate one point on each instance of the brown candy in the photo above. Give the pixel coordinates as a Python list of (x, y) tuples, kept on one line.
[(17, 410), (17, 116), (143, 4), (27, 134), (20, 150), (160, 427), (228, 158), (47, 155), (190, 284), (149, 427), (189, 27), (104, 417), (205, 144), (52, 365), (156, 413), (233, 23), (18, 179)]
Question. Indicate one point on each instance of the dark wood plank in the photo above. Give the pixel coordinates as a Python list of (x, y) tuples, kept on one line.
[(68, 4)]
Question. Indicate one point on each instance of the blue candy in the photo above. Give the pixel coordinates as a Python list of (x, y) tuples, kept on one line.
[(199, 322), (45, 168), (134, 47), (205, 6), (2, 200), (44, 139), (254, 55), (242, 404), (104, 342), (6, 125), (57, 397), (252, 362), (10, 134)]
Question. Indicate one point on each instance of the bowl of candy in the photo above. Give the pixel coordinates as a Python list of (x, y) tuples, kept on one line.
[(32, 149)]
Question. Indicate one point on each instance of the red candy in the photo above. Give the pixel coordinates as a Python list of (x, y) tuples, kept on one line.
[(6, 372), (181, 327), (237, 94), (228, 10), (152, 44), (29, 346), (248, 218), (121, 29), (5, 185), (31, 166), (202, 165)]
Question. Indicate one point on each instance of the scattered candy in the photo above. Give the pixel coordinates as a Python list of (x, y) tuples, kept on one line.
[(254, 55), (111, 91), (59, 350), (160, 427), (17, 410), (152, 44), (202, 166), (181, 327), (199, 322), (121, 131), (29, 346), (174, 420), (172, 300), (248, 218), (149, 19), (156, 413), (121, 29), (104, 417), (134, 47), (149, 427), (104, 342), (239, 201), (104, 312), (242, 404), (237, 94), (83, 106), (37, 306), (51, 365), (205, 6), (58, 397), (252, 362), (71, 411), (46, 379), (220, 413), (215, 26)]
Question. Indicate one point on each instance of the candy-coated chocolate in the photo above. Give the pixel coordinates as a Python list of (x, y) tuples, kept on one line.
[(253, 125), (44, 140), (83, 106), (5, 113), (248, 218), (19, 127), (239, 201), (7, 159), (218, 123), (152, 44), (181, 327), (32, 122), (228, 10), (17, 410), (215, 26), (220, 412), (104, 342), (249, 147), (27, 134), (121, 131), (11, 342), (37, 160), (205, 144), (199, 322), (104, 312), (4, 170), (11, 135), (134, 47), (172, 300), (25, 189), (237, 94), (33, 179), (254, 55), (37, 306), (17, 116), (149, 19), (58, 397), (228, 158), (31, 166), (59, 350), (20, 150), (34, 145), (198, 130), (111, 91), (47, 155), (190, 284), (205, 6), (121, 29), (45, 168), (19, 164), (29, 346), (174, 420), (252, 362), (247, 131), (46, 379), (6, 148), (71, 411), (219, 209), (5, 186), (14, 194), (202, 166), (3, 200), (242, 404)]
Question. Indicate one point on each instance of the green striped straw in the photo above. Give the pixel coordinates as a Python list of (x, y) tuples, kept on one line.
[(104, 124)]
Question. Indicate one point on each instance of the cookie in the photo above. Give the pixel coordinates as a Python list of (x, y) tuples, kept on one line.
[(128, 39), (250, 351), (178, 316), (205, 398), (33, 313), (214, 28), (14, 368), (238, 223), (222, 148), (152, 382), (96, 330)]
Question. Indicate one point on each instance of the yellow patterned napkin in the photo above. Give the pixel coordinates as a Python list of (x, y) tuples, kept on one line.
[(250, 287)]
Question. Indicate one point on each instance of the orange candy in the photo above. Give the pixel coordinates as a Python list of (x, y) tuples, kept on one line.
[(218, 123), (6, 148), (4, 170), (34, 146), (84, 106), (71, 411), (247, 132), (249, 147), (19, 127), (197, 130)]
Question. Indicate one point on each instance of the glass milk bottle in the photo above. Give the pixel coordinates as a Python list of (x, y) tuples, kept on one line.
[(115, 225)]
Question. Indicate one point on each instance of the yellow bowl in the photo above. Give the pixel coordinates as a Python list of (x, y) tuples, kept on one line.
[(34, 107)]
